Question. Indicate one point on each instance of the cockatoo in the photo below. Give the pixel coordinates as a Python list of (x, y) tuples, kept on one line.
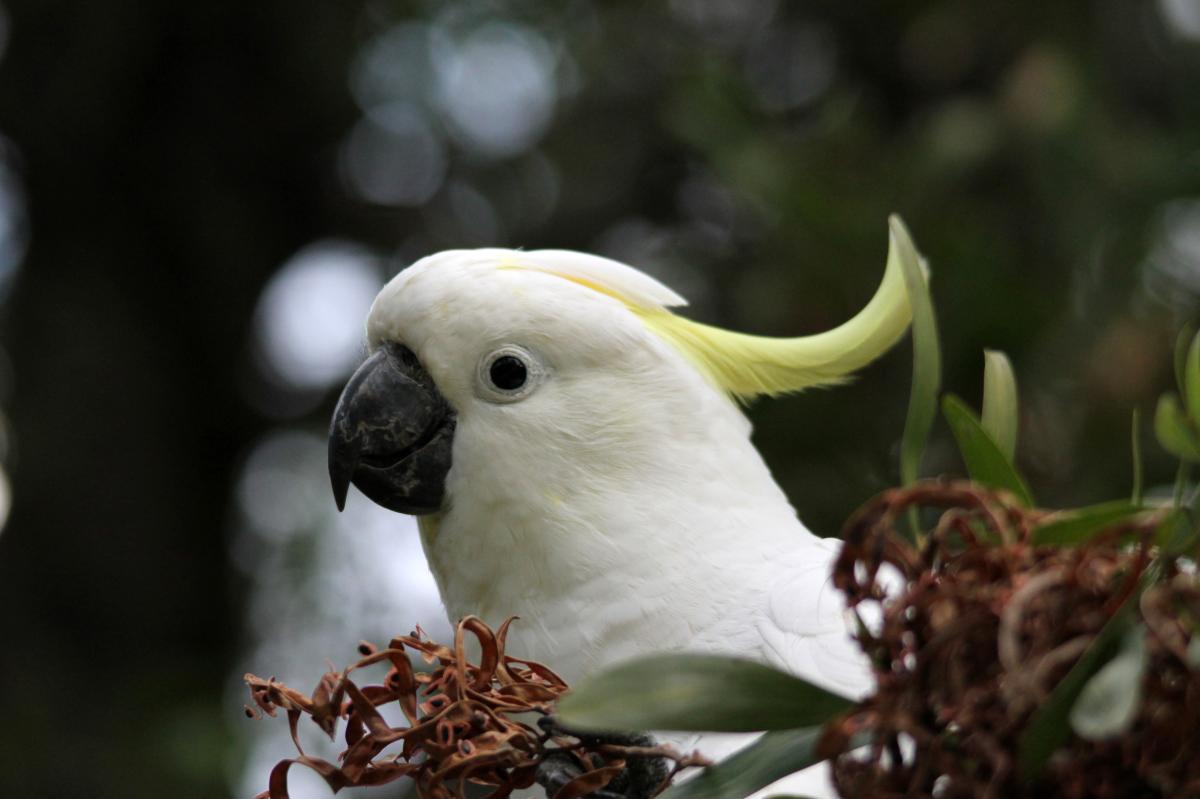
[(577, 456)]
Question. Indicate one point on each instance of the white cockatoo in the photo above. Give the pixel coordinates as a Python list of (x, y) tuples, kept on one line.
[(578, 457)]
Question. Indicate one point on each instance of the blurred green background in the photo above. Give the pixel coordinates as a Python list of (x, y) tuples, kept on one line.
[(198, 201)]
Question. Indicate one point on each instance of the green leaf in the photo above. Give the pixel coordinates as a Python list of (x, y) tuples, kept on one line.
[(770, 758), (1135, 437), (1183, 476), (1048, 728), (1000, 402), (1193, 653), (1174, 431), (1182, 348), (1177, 535), (697, 692), (927, 359), (1108, 703), (1191, 380), (985, 462), (1071, 527)]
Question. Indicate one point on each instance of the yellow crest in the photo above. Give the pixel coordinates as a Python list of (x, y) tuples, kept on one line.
[(743, 365)]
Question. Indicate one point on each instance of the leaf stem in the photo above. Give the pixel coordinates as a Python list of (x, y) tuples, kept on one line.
[(1181, 480), (927, 368)]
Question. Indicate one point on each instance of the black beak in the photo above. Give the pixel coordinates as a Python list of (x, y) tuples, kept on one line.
[(391, 435)]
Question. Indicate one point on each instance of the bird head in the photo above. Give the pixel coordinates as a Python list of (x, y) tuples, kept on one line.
[(550, 366)]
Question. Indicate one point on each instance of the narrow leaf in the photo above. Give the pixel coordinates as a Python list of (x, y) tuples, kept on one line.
[(1173, 430), (1177, 535), (1000, 402), (1182, 347), (1048, 728), (985, 462), (1136, 450), (1191, 380), (697, 692), (927, 359), (1071, 527), (770, 758), (1108, 703), (1183, 475)]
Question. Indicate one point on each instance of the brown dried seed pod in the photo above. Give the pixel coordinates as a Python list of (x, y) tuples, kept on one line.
[(986, 626), (462, 721)]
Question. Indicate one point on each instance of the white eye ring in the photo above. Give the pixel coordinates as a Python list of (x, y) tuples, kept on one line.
[(508, 374)]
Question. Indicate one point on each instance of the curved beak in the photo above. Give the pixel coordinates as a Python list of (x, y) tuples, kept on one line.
[(391, 435)]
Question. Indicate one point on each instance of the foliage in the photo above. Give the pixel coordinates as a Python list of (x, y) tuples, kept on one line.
[(986, 462), (1177, 418), (772, 757), (670, 692), (981, 656), (927, 364)]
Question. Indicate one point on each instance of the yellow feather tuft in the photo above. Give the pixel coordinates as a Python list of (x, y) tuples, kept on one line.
[(748, 366), (743, 365)]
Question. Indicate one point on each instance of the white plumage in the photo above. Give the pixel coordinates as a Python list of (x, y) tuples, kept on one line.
[(620, 507)]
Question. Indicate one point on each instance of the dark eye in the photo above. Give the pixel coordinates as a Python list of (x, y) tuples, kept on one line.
[(508, 373)]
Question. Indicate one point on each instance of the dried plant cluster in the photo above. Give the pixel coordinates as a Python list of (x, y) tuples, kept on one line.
[(461, 724), (971, 634), (986, 627)]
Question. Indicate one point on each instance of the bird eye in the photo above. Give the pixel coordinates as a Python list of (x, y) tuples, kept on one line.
[(508, 374)]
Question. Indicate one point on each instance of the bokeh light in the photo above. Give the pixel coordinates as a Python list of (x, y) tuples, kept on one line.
[(496, 86), (14, 225), (393, 156), (1182, 16), (791, 67), (1172, 269), (319, 582), (395, 65), (310, 318), (14, 241), (5, 498), (4, 30), (725, 23)]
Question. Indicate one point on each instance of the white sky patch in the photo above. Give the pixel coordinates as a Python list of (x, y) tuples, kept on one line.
[(309, 320)]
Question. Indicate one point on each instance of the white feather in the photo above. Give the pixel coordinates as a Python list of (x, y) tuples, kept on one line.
[(621, 509)]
